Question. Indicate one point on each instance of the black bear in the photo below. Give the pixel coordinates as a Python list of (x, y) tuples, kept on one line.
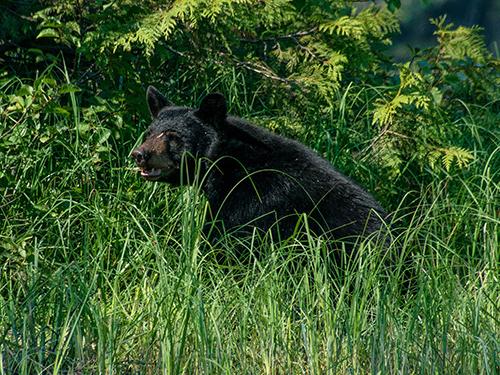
[(252, 178)]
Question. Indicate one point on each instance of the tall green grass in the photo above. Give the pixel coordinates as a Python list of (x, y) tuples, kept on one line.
[(103, 273)]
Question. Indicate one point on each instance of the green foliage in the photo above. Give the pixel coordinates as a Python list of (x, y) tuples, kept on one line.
[(461, 43), (449, 156), (419, 118), (306, 45), (102, 273), (283, 56), (42, 120)]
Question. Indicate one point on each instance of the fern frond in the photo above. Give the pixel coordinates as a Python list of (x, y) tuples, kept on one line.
[(450, 156), (379, 22), (385, 112), (462, 42), (344, 26)]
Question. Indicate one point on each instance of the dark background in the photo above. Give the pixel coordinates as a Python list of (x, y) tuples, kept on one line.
[(417, 32)]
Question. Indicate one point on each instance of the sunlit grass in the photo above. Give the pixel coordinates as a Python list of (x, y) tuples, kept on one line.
[(103, 273)]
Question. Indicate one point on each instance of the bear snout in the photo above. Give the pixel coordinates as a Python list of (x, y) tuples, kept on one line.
[(140, 156)]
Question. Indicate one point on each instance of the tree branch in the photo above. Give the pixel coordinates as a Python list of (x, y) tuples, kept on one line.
[(278, 37), (265, 72)]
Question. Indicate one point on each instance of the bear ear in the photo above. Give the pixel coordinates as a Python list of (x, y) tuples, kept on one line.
[(156, 101), (213, 108)]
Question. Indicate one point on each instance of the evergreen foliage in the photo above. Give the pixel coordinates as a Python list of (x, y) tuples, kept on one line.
[(418, 116)]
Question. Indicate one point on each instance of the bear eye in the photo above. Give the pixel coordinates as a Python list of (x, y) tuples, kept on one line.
[(173, 139), (171, 135)]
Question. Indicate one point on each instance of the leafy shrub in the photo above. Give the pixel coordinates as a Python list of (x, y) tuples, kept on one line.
[(419, 118)]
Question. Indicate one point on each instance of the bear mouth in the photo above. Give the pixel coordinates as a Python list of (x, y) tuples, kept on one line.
[(151, 174)]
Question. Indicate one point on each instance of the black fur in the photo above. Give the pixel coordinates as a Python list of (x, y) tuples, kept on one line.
[(252, 177)]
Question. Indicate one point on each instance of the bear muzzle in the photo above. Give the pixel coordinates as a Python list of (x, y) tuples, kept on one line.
[(151, 167)]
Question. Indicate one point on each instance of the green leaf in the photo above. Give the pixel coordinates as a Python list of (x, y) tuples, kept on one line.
[(60, 111), (102, 149), (48, 33), (83, 128), (68, 87), (104, 135), (25, 90), (437, 95)]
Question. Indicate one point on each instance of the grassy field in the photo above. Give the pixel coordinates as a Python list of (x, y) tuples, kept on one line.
[(103, 273)]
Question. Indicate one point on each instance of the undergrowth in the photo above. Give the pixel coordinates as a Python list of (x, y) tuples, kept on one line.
[(103, 273)]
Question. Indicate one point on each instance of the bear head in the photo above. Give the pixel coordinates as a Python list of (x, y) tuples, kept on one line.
[(177, 137)]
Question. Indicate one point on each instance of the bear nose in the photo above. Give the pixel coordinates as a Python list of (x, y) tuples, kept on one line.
[(140, 156)]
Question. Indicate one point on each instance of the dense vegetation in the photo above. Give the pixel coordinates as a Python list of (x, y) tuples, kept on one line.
[(103, 273)]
